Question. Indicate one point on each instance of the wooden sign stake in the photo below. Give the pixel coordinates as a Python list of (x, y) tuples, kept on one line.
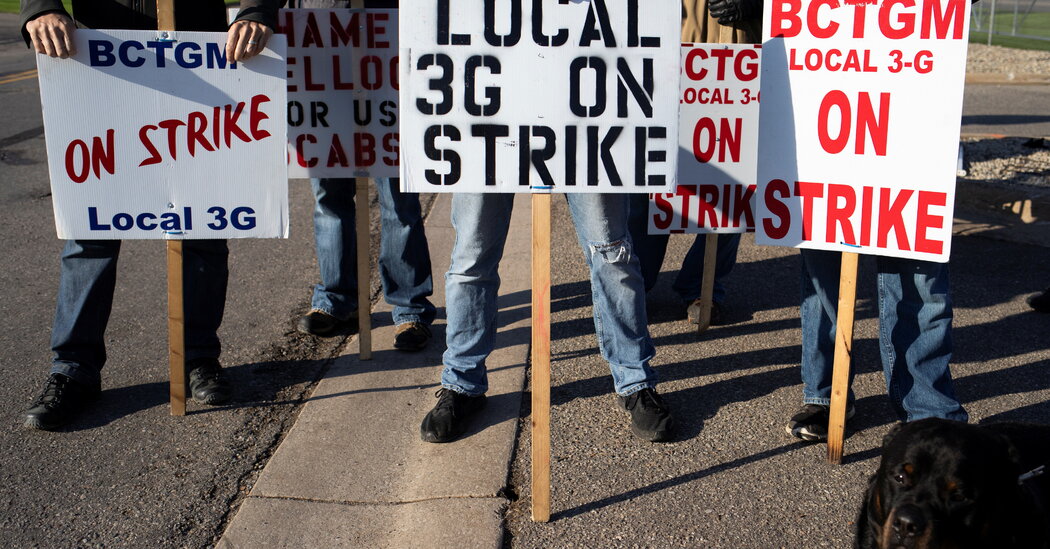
[(707, 287), (176, 312), (843, 352), (541, 357), (364, 270)]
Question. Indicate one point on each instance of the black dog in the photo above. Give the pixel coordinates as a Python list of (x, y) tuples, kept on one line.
[(946, 484)]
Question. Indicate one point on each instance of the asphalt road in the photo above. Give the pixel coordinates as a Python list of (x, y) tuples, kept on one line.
[(1007, 109), (128, 474)]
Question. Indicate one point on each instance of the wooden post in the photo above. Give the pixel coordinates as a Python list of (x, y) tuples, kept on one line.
[(843, 352), (541, 357), (364, 270), (707, 286), (176, 331), (176, 311)]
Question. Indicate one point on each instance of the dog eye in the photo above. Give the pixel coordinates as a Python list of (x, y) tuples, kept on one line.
[(958, 496), (899, 478)]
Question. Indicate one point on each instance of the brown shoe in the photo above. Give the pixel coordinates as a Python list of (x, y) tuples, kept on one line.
[(411, 336)]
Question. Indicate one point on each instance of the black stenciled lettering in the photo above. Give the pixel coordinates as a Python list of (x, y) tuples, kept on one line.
[(442, 84), (366, 118), (657, 180), (597, 15), (605, 151), (388, 112), (559, 38), (576, 105), (643, 94), (442, 155), (492, 93), (489, 132), (633, 40), (443, 36), (536, 157), (570, 156), (505, 40)]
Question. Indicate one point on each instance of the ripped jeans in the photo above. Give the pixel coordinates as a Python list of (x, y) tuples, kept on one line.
[(472, 284)]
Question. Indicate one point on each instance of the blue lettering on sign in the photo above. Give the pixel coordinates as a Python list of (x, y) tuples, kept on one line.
[(241, 218), (134, 54)]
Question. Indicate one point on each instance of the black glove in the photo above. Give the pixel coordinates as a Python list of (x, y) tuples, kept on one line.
[(733, 11)]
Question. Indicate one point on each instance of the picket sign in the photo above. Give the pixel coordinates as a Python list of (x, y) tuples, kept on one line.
[(539, 98), (717, 152), (861, 109), (143, 163)]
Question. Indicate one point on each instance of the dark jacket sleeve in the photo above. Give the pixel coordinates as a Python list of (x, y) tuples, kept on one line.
[(31, 9), (260, 11)]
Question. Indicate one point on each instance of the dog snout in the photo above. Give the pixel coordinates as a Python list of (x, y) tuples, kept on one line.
[(908, 522)]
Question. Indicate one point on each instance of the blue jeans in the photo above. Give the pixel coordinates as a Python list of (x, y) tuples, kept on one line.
[(85, 299), (651, 249), (404, 257), (915, 339), (472, 284)]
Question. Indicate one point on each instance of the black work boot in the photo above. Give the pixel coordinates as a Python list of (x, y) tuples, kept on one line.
[(208, 384), (650, 419), (449, 417), (60, 403)]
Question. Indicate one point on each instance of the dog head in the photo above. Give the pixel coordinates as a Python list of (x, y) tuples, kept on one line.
[(941, 484)]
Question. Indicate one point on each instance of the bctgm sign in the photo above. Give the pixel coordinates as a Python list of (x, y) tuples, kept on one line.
[(861, 107), (717, 143), (519, 96), (154, 134)]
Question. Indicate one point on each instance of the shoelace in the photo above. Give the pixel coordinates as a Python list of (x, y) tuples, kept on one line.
[(52, 391)]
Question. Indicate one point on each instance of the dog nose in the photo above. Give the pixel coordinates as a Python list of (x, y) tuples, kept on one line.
[(908, 521)]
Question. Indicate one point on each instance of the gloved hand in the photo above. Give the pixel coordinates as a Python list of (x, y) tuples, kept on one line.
[(732, 11)]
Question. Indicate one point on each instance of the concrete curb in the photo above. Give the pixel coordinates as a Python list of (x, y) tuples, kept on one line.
[(353, 472)]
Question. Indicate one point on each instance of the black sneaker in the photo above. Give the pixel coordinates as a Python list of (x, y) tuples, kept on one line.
[(411, 336), (811, 422), (650, 418), (1040, 302), (449, 417), (321, 324), (719, 313), (59, 403), (208, 384)]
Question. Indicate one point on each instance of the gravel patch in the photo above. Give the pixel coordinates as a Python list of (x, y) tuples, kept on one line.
[(1016, 160), (984, 59)]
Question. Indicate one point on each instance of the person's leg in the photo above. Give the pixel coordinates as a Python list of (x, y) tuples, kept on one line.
[(205, 276), (616, 284), (819, 312), (689, 281), (618, 303), (472, 284), (333, 305), (650, 248), (85, 299), (915, 323), (404, 265)]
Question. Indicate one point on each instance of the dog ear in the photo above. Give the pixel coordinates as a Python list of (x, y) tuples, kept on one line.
[(892, 433)]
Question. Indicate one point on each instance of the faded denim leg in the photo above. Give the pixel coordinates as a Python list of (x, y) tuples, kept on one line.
[(617, 289), (334, 235), (819, 312), (404, 256), (915, 337), (472, 285)]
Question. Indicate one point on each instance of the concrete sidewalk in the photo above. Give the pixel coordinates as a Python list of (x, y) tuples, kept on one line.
[(353, 472)]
